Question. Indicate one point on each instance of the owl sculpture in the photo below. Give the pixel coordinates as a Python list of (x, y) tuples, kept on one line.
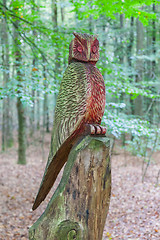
[(79, 108)]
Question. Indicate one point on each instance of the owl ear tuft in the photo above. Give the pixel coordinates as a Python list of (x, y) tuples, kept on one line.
[(78, 35), (95, 36), (75, 34), (86, 36)]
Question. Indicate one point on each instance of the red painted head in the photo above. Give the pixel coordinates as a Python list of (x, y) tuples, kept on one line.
[(84, 47)]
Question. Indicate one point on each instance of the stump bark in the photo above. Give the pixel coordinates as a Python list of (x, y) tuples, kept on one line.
[(79, 206)]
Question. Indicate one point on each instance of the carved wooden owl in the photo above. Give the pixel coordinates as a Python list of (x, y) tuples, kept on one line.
[(80, 106)]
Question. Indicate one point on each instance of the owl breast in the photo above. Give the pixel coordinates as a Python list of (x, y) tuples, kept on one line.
[(96, 96)]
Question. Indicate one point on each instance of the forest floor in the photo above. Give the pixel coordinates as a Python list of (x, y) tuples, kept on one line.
[(134, 209)]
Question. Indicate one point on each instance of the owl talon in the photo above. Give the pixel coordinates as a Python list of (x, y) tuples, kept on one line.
[(103, 130), (93, 130), (97, 130)]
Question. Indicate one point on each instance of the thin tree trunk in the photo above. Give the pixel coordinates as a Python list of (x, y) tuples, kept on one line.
[(32, 117), (118, 45), (129, 54), (65, 59), (45, 126), (149, 71), (7, 134), (90, 22), (45, 101), (139, 65), (34, 75), (154, 72), (121, 60), (103, 58), (20, 106), (131, 41), (62, 11), (38, 110), (57, 50), (121, 55), (154, 42), (21, 132)]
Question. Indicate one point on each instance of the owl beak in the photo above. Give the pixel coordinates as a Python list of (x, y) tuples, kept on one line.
[(89, 54), (89, 51)]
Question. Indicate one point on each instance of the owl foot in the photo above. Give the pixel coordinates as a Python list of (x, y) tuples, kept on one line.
[(97, 130)]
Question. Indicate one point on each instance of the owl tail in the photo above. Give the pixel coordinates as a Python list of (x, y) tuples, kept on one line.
[(55, 166)]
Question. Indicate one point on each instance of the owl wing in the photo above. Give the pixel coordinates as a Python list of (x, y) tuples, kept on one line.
[(68, 121), (71, 104)]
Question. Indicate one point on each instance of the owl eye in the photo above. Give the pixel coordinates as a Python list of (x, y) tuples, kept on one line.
[(94, 49), (80, 49)]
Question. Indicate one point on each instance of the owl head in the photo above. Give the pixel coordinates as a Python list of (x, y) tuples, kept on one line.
[(84, 47)]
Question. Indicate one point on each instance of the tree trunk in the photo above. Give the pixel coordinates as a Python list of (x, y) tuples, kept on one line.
[(154, 69), (62, 11), (121, 61), (90, 21), (129, 54), (32, 114), (131, 41), (154, 42), (79, 206), (45, 101), (57, 71), (150, 70), (121, 55), (21, 132), (20, 106), (38, 110), (139, 65), (7, 135), (33, 93), (104, 44), (118, 45)]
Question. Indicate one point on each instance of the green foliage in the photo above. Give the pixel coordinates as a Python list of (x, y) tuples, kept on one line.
[(121, 123), (129, 8), (40, 43), (144, 135)]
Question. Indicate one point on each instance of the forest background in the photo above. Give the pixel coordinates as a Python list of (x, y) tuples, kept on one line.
[(35, 37), (34, 44)]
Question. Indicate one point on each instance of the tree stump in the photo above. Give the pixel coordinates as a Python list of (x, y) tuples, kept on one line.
[(79, 206)]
